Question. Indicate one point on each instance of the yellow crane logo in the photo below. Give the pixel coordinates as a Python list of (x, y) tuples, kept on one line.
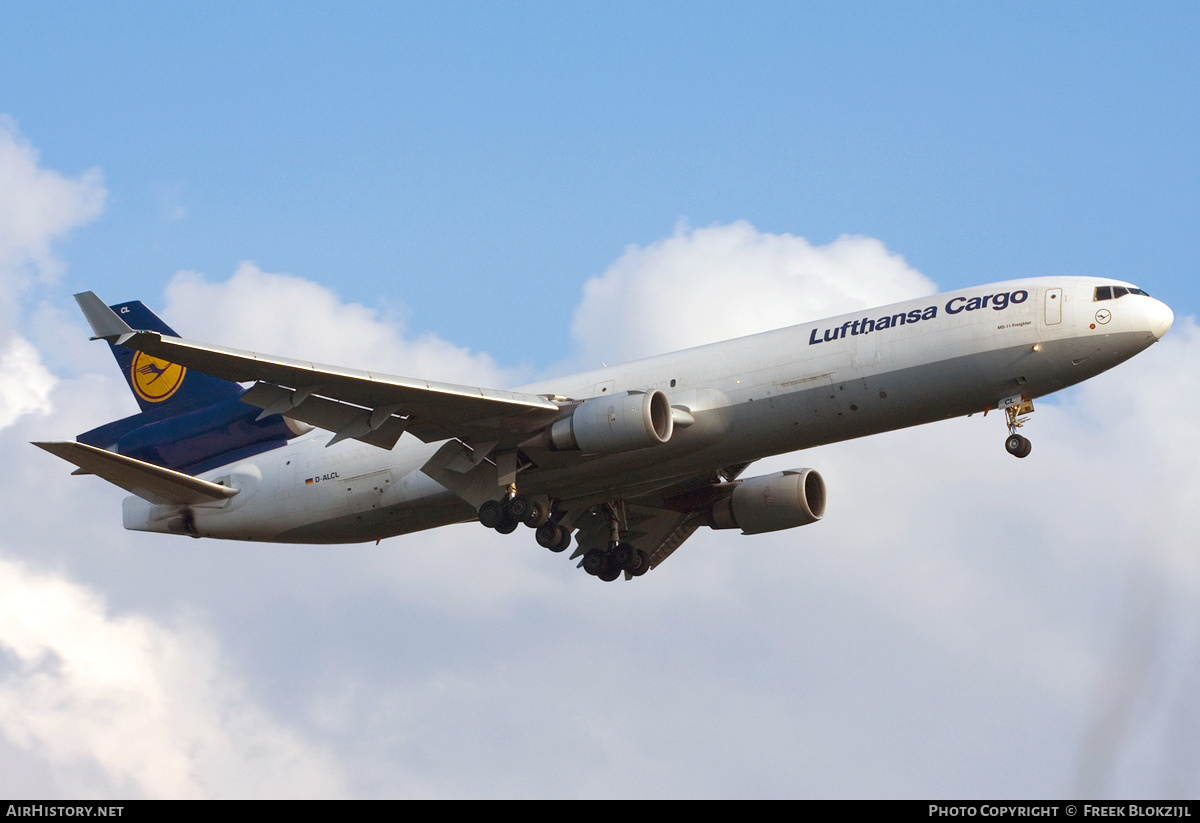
[(155, 380)]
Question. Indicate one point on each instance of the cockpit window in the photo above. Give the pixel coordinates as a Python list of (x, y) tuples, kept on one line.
[(1113, 292)]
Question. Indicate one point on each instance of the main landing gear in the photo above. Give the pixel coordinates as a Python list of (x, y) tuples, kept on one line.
[(623, 557), (554, 529), (620, 556), (1016, 409), (506, 514)]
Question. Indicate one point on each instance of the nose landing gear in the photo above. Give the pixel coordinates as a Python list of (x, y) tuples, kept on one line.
[(1018, 446), (1016, 409)]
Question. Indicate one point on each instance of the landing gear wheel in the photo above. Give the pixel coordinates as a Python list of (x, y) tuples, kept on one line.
[(535, 514), (610, 572), (1018, 446), (623, 556), (595, 562), (564, 543), (517, 506), (1015, 409), (491, 514), (550, 536), (643, 564), (507, 526)]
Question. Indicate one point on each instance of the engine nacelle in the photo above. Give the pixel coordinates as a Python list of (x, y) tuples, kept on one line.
[(772, 502), (620, 423)]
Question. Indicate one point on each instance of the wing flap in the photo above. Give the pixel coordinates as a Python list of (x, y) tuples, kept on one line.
[(147, 481), (379, 427)]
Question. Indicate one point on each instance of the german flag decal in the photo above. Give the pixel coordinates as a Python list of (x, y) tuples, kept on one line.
[(155, 380)]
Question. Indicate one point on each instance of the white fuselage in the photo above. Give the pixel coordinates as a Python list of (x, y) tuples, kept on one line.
[(877, 370)]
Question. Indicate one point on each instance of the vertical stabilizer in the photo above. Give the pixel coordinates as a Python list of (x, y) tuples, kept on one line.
[(158, 384), (190, 421)]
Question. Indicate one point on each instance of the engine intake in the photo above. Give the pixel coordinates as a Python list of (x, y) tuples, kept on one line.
[(772, 502), (620, 423)]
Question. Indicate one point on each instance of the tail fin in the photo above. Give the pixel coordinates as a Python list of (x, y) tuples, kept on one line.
[(190, 421), (157, 384)]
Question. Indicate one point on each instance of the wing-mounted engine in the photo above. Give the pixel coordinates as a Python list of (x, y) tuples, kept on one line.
[(772, 502), (620, 423)]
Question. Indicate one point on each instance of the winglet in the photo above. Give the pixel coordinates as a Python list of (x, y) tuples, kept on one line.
[(106, 324)]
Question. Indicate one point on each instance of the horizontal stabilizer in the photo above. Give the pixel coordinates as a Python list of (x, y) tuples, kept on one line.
[(105, 323), (147, 481)]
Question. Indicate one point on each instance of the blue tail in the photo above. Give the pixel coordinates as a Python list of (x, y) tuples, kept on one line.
[(189, 422), (161, 387)]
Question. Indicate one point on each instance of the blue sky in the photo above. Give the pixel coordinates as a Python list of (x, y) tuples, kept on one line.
[(509, 151), (467, 191)]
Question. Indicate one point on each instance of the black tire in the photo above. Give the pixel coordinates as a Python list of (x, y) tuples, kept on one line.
[(1018, 446), (610, 572), (643, 564), (507, 527), (535, 515), (564, 542), (595, 562), (491, 514), (623, 555), (517, 507), (549, 535)]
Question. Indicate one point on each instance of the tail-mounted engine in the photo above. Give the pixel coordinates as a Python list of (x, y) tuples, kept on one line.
[(620, 423), (772, 502)]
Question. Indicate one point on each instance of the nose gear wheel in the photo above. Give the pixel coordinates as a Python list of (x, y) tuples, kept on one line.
[(1016, 409)]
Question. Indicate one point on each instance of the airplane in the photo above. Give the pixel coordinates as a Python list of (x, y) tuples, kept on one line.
[(628, 461)]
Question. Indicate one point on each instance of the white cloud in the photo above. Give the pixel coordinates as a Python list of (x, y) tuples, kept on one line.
[(948, 629), (151, 708), (25, 384), (703, 285), (37, 207), (288, 315)]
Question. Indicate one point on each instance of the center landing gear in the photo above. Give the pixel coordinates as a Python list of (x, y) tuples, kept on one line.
[(623, 557), (1016, 408), (620, 556)]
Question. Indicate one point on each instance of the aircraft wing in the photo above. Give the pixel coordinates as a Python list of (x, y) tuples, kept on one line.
[(369, 406), (665, 531), (147, 481)]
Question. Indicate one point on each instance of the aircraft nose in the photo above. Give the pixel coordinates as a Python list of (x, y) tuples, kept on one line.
[(1159, 317)]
